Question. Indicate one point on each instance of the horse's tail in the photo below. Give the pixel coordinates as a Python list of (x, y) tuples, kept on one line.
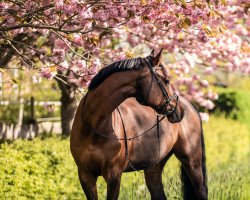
[(187, 187)]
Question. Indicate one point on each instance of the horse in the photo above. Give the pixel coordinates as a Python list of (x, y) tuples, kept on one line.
[(131, 119)]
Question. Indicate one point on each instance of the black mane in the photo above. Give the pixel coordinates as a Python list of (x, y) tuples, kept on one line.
[(119, 66)]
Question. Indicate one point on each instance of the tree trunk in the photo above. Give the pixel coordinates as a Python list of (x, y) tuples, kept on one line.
[(68, 107)]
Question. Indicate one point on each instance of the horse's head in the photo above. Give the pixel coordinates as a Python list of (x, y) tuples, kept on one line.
[(154, 89)]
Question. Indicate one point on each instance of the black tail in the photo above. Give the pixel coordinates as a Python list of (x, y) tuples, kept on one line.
[(188, 191)]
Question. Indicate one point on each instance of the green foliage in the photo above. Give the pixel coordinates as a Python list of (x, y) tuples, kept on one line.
[(234, 103), (44, 169), (9, 113), (38, 169)]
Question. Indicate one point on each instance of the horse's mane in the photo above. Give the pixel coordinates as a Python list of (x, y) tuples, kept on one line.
[(119, 66)]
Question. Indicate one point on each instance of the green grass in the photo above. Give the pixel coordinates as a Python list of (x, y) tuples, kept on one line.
[(44, 168)]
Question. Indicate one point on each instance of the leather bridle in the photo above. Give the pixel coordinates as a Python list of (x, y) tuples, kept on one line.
[(162, 108)]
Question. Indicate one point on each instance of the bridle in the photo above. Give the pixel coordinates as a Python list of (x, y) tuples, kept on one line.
[(162, 108)]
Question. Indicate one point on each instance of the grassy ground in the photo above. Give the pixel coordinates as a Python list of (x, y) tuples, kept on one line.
[(44, 169)]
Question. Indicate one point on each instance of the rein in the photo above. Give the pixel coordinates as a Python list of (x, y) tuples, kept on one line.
[(125, 138)]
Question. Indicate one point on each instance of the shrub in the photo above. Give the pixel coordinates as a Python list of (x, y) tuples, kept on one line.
[(234, 104), (44, 168)]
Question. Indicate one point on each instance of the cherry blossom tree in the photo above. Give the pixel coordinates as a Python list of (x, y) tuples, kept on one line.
[(70, 40)]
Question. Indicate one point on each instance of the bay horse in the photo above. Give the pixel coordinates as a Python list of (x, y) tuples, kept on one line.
[(118, 128)]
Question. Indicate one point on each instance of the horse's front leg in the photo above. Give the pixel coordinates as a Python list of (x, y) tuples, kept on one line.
[(153, 179), (154, 183), (88, 183), (113, 179)]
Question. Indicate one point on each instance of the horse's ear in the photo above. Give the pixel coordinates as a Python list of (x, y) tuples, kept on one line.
[(152, 53), (157, 58)]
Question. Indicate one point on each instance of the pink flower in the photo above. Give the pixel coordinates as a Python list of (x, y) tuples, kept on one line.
[(209, 104), (78, 39), (101, 14), (48, 72), (204, 83), (81, 64), (63, 65), (59, 4), (86, 13), (59, 53), (61, 44), (120, 56), (113, 13), (204, 117), (209, 70)]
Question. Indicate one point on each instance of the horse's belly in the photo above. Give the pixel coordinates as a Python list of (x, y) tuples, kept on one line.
[(149, 152)]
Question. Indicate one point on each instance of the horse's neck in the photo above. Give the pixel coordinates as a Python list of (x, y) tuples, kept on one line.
[(103, 100)]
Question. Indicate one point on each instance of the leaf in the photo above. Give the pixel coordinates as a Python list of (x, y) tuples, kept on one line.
[(93, 23), (130, 14), (144, 2), (222, 28), (1, 19), (224, 2), (213, 43), (16, 81), (53, 68), (129, 54), (145, 19), (166, 23), (183, 2), (207, 30), (180, 36), (187, 21), (94, 40), (245, 48)]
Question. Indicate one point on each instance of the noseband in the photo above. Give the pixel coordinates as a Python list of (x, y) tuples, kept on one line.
[(167, 99)]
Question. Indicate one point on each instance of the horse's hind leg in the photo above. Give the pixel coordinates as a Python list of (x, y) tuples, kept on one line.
[(88, 183), (193, 174)]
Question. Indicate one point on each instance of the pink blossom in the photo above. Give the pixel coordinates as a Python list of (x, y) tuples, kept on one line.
[(101, 14), (48, 72), (113, 13), (120, 56), (59, 43), (81, 64), (209, 70), (212, 95), (96, 62), (204, 116), (204, 83), (63, 65), (86, 14), (59, 4), (78, 39), (59, 53), (209, 104)]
